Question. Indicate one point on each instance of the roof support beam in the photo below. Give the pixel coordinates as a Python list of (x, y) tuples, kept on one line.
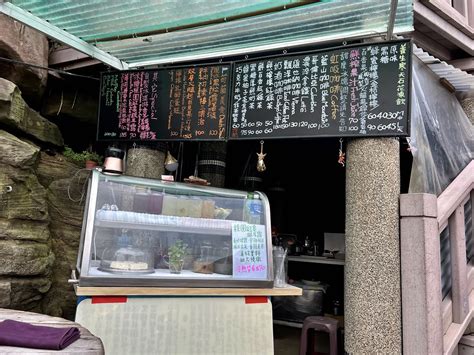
[(62, 36), (64, 55), (466, 64), (429, 45), (80, 64)]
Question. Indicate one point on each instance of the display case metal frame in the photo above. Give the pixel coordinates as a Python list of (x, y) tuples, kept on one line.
[(89, 223)]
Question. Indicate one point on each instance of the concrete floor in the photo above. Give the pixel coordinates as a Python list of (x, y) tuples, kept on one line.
[(286, 341)]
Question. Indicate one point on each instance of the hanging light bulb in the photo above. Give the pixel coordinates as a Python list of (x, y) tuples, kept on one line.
[(171, 164)]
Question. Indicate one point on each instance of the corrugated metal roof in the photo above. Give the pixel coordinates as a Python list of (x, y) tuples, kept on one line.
[(315, 22), (92, 20), (461, 80), (310, 22)]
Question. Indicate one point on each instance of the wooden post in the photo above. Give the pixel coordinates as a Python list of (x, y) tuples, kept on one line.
[(459, 289), (421, 275), (470, 13), (461, 7), (472, 214)]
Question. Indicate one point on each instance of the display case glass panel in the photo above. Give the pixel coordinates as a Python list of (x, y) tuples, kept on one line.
[(144, 232)]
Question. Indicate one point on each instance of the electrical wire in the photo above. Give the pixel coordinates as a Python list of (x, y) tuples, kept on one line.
[(3, 59)]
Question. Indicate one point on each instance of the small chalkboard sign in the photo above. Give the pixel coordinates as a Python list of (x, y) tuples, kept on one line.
[(164, 104), (355, 91)]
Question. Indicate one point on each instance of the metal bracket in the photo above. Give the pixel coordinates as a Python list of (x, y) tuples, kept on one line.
[(391, 19), (73, 280)]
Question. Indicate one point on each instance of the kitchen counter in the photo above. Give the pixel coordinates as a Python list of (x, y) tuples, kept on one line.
[(316, 260)]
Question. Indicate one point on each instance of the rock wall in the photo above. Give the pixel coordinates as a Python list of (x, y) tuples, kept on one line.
[(25, 246), (66, 196), (39, 223)]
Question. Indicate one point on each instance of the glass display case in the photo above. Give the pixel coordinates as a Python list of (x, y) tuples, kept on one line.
[(144, 232)]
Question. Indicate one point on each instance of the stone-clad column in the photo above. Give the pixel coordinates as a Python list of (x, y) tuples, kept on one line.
[(467, 103), (146, 161), (372, 271)]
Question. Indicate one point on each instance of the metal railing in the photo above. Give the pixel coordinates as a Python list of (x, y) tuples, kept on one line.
[(431, 324)]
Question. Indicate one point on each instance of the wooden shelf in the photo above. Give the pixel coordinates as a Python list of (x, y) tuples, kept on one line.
[(167, 291), (316, 260)]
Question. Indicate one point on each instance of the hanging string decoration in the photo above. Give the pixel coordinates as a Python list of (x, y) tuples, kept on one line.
[(342, 156), (260, 163)]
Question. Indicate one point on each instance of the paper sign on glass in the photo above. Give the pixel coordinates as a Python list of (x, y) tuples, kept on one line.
[(249, 251)]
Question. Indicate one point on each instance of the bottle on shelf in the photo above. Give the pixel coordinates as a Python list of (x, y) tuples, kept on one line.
[(308, 246)]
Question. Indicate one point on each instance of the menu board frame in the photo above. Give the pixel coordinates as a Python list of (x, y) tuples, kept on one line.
[(226, 96), (406, 118)]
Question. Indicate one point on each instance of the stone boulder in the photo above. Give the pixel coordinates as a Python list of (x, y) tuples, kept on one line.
[(20, 258), (22, 293), (24, 44), (16, 114), (54, 167), (15, 152)]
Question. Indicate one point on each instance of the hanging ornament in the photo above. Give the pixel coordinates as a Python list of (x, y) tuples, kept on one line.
[(260, 163), (342, 155), (171, 164)]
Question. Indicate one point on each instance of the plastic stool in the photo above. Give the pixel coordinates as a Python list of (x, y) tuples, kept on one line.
[(323, 324)]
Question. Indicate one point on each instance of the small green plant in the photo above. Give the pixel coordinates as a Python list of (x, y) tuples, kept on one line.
[(81, 158), (176, 254)]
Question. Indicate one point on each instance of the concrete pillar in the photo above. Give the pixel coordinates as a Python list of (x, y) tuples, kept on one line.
[(372, 269), (467, 103)]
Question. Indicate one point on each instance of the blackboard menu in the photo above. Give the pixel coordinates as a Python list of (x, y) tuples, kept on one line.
[(355, 91), (164, 104)]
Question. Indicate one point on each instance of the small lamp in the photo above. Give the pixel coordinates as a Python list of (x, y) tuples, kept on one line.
[(171, 164), (113, 164)]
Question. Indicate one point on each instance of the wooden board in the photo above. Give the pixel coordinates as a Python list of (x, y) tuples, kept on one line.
[(87, 344), (161, 291)]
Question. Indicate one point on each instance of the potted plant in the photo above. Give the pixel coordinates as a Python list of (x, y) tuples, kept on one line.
[(86, 158), (176, 254), (91, 159)]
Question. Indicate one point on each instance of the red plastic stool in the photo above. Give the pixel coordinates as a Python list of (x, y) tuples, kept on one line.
[(323, 324)]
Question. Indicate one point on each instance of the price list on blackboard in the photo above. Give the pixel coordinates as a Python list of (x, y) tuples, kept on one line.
[(348, 91), (165, 104)]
